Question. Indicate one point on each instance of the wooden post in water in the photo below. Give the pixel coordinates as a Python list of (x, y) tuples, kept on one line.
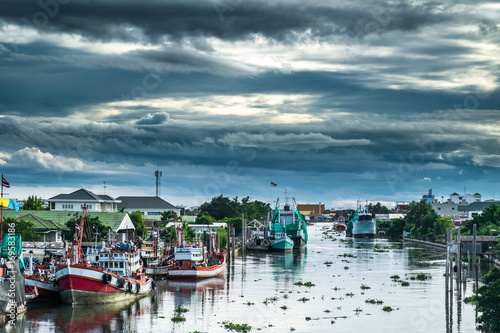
[(228, 246), (448, 259), (474, 260), (459, 265), (243, 233), (234, 241), (450, 232)]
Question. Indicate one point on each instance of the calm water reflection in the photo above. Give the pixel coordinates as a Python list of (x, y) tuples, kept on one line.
[(359, 270)]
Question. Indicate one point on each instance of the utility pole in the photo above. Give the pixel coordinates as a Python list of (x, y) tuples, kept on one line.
[(158, 175)]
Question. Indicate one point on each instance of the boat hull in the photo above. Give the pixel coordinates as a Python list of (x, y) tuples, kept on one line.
[(298, 242), (85, 285), (45, 288), (156, 271), (198, 272), (282, 245), (257, 247), (363, 229)]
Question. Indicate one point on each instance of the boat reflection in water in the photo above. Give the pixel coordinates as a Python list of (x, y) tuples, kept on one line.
[(191, 286), (113, 317)]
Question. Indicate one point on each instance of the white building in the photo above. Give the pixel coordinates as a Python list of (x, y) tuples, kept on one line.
[(151, 207), (74, 202)]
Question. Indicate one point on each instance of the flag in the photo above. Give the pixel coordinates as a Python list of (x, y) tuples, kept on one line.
[(78, 227), (9, 204), (273, 184), (5, 183)]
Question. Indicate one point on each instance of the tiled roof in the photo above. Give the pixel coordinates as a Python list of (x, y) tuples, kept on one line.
[(83, 195), (144, 202), (59, 218), (477, 206)]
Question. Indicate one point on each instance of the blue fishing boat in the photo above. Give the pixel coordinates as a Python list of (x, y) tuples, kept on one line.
[(290, 221)]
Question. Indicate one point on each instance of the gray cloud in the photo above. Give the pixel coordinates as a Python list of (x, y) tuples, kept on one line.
[(154, 119)]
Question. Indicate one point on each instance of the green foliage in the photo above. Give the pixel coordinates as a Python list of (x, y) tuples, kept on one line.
[(91, 226), (486, 302), (488, 223), (377, 208), (168, 234), (169, 215), (422, 221), (222, 232), (222, 207), (139, 224), (204, 219), (33, 203), (396, 229), (23, 227), (243, 328), (235, 223)]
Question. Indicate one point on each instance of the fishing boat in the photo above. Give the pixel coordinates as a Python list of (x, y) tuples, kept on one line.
[(155, 257), (364, 225), (293, 222), (258, 237), (109, 274), (340, 224), (41, 277), (197, 261)]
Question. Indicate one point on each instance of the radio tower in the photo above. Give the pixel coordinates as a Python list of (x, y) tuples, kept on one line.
[(158, 175)]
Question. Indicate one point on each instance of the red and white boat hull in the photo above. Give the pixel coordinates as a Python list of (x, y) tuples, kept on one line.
[(45, 288), (85, 285), (198, 272)]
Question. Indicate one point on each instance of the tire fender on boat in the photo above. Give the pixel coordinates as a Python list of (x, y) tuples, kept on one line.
[(137, 288), (121, 282), (153, 285), (106, 278), (54, 283), (129, 287)]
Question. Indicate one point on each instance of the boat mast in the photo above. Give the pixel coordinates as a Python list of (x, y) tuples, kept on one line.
[(76, 253)]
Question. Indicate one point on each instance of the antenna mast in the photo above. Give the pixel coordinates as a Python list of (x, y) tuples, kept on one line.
[(158, 175)]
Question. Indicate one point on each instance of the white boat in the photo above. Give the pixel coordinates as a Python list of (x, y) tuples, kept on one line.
[(364, 226), (258, 237)]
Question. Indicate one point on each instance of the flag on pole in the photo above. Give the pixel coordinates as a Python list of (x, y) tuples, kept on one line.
[(5, 183), (78, 227), (273, 184)]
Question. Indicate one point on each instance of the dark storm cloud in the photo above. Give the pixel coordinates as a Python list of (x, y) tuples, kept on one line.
[(153, 119), (280, 20)]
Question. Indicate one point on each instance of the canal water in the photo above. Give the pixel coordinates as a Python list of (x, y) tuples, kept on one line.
[(336, 285)]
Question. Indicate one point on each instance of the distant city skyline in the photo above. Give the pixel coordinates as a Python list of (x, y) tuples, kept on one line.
[(376, 101)]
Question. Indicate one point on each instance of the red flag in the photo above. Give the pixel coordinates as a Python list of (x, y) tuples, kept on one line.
[(5, 183)]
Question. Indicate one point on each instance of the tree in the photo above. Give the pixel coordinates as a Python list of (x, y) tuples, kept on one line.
[(396, 229), (168, 234), (221, 207), (23, 227), (377, 208), (487, 223), (167, 215), (139, 224), (204, 219), (92, 226), (486, 302), (33, 203)]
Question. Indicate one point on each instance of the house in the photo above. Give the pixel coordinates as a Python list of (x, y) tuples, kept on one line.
[(476, 208), (74, 202), (54, 222), (152, 207)]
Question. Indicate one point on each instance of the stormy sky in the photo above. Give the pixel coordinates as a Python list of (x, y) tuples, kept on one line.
[(334, 100)]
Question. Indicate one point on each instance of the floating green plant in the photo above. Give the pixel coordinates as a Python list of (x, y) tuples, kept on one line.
[(350, 294), (374, 301), (405, 283), (387, 308), (243, 328), (303, 299), (395, 277), (423, 277), (309, 284), (346, 267), (364, 287), (270, 300), (284, 307)]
